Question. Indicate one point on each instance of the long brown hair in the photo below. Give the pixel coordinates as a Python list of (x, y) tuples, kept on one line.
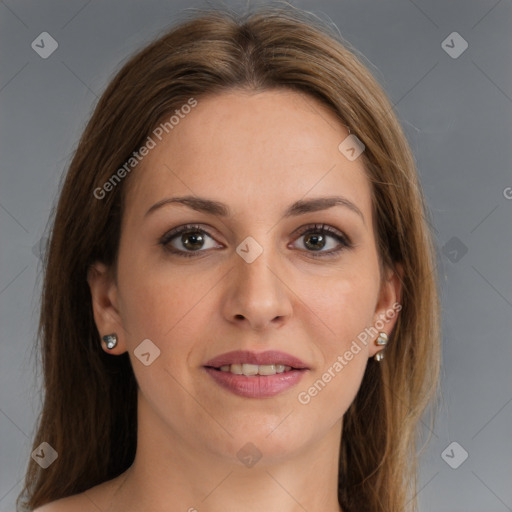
[(90, 398)]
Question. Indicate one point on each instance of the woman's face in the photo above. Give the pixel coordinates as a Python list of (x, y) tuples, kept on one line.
[(256, 277)]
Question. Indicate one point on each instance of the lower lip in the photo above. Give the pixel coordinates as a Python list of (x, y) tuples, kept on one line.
[(256, 386)]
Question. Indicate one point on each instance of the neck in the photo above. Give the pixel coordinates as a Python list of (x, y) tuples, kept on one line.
[(170, 474)]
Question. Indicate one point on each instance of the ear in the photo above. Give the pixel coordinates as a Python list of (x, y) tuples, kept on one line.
[(388, 305), (104, 296)]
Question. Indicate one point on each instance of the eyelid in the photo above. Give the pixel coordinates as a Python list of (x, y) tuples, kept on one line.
[(323, 228), (178, 230), (328, 230), (183, 228)]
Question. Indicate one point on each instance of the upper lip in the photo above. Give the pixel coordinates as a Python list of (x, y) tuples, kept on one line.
[(259, 358)]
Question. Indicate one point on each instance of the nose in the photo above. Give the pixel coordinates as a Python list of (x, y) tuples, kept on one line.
[(257, 296)]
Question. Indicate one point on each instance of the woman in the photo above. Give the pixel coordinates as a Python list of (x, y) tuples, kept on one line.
[(239, 240)]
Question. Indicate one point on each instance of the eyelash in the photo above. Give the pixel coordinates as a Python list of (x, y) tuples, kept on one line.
[(322, 229)]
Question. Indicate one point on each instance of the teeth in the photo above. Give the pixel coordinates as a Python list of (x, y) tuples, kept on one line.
[(250, 369), (255, 369), (267, 369), (236, 368)]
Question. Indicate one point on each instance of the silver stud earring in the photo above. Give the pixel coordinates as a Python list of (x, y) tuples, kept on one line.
[(110, 340), (381, 341)]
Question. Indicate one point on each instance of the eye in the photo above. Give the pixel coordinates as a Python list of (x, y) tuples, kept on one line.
[(191, 240), (186, 240), (316, 239)]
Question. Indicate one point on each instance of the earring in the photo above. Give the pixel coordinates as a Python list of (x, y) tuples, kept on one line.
[(110, 340), (381, 341)]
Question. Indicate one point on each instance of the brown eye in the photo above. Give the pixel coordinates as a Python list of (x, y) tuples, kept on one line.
[(187, 240), (314, 241), (192, 240), (316, 238)]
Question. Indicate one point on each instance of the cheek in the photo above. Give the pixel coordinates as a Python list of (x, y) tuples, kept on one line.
[(347, 309), (345, 304), (164, 305)]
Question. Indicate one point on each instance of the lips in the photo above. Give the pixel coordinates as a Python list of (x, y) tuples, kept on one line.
[(270, 357), (256, 375)]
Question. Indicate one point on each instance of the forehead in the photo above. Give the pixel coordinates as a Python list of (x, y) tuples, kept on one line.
[(258, 152)]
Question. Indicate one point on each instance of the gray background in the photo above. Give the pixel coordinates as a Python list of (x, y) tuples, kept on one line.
[(457, 115)]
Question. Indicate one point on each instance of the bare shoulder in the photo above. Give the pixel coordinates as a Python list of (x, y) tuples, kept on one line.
[(71, 504), (92, 500)]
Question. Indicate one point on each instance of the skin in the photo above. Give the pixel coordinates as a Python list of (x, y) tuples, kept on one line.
[(257, 153)]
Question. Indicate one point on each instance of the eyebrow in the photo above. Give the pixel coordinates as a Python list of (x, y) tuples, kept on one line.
[(217, 208)]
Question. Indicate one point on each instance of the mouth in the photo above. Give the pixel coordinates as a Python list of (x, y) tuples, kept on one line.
[(250, 370), (248, 362), (256, 375)]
